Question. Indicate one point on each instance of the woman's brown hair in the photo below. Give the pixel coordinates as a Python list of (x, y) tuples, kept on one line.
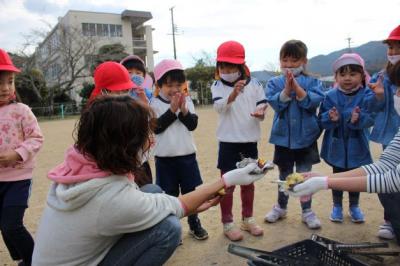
[(114, 132)]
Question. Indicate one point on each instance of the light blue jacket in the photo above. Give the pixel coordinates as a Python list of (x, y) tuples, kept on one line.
[(345, 145), (387, 121), (295, 124)]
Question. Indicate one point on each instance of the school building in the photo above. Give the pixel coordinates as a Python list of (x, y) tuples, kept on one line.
[(85, 32)]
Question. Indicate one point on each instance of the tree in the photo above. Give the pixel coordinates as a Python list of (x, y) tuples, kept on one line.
[(64, 57), (31, 87), (111, 52), (87, 89), (201, 77)]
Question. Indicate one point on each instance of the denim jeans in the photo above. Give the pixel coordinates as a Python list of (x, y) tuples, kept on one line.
[(153, 246), (286, 170)]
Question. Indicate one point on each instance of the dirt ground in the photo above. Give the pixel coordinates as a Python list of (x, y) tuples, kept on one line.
[(213, 251)]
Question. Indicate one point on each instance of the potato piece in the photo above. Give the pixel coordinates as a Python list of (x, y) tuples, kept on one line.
[(293, 179)]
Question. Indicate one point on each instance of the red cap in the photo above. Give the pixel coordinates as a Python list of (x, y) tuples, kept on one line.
[(111, 76), (5, 62), (394, 35), (231, 52)]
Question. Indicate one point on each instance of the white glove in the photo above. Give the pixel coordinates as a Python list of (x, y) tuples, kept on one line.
[(241, 176), (310, 186)]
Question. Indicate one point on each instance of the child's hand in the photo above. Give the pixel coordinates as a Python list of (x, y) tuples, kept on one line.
[(288, 83), (9, 158), (334, 114), (300, 92), (239, 86), (142, 95), (175, 101), (182, 104), (378, 88), (355, 115), (259, 112)]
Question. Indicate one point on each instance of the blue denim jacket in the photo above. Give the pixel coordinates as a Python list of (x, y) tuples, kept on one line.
[(387, 121), (345, 145), (295, 124)]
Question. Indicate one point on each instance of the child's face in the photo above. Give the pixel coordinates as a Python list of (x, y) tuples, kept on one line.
[(228, 69), (393, 48), (135, 71), (6, 86), (349, 80), (291, 62), (171, 88)]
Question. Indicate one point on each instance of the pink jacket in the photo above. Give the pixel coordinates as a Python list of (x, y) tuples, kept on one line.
[(19, 131), (77, 168)]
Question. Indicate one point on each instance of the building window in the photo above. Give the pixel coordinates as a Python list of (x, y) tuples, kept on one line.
[(101, 30)]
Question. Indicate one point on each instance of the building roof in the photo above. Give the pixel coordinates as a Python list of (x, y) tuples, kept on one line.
[(137, 17)]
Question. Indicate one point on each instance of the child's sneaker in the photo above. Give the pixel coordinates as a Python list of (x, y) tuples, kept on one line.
[(310, 219), (249, 224), (199, 233), (232, 232), (386, 231), (357, 216), (336, 214), (275, 214)]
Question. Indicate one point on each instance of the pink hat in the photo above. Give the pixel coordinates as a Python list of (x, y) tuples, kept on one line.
[(351, 59), (131, 57), (112, 76), (348, 59), (164, 66), (5, 62), (394, 35)]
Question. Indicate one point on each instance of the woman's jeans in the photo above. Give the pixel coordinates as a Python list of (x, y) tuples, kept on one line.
[(153, 246)]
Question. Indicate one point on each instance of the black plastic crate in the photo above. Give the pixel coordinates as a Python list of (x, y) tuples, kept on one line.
[(307, 253)]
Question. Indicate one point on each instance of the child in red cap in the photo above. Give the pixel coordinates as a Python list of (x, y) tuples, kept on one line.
[(20, 140), (240, 102), (386, 126), (113, 79), (177, 170)]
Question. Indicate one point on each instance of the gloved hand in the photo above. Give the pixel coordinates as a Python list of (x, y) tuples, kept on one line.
[(241, 176), (310, 186)]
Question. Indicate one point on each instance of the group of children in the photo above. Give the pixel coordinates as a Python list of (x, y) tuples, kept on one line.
[(303, 111)]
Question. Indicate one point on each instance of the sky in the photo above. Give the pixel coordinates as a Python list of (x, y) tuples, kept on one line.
[(262, 26)]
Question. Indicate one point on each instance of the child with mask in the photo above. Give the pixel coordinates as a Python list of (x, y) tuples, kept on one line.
[(387, 123), (295, 97), (240, 103), (136, 68)]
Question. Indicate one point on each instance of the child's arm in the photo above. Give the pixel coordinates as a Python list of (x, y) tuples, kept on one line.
[(325, 114), (313, 96), (360, 119), (169, 117), (375, 98), (185, 116), (261, 104), (33, 138), (276, 97)]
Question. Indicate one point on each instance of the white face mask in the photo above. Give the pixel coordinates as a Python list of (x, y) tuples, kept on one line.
[(231, 77), (393, 59), (396, 100), (295, 70)]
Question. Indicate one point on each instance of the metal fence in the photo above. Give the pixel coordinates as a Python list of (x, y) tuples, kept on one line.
[(59, 110)]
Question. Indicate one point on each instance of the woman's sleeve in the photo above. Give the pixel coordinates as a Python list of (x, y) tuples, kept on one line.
[(388, 182), (389, 159)]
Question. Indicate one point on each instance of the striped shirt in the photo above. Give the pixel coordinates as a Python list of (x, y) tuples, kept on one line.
[(383, 176)]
